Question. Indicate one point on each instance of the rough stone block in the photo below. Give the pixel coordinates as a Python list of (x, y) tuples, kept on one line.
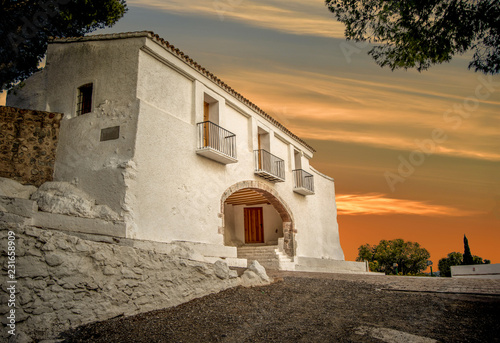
[(76, 224), (21, 337), (49, 246), (101, 256), (32, 232), (14, 189), (256, 267), (41, 310), (24, 297), (32, 267), (54, 259), (39, 284), (109, 271), (9, 218), (21, 207), (83, 247), (249, 279), (65, 198), (221, 270)]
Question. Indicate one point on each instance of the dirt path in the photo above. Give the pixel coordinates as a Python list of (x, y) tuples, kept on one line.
[(312, 309)]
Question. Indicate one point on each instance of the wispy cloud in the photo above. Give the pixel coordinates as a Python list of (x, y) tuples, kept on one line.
[(379, 204), (398, 142), (296, 17), (380, 114)]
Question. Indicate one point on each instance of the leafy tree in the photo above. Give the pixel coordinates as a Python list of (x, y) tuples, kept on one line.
[(445, 264), (467, 255), (366, 253), (479, 260), (409, 256), (27, 25), (418, 34)]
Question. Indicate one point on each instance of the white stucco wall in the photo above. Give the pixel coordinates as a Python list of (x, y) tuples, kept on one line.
[(477, 271), (183, 190), (164, 88), (111, 65), (152, 174), (318, 232), (241, 126), (173, 199), (30, 94)]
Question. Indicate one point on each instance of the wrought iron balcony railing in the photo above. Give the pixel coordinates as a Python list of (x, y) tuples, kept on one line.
[(269, 166), (303, 182), (216, 143)]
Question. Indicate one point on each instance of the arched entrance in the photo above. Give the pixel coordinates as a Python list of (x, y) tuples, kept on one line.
[(247, 197)]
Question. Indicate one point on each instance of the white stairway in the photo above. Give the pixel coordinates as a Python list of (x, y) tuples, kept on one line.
[(268, 256)]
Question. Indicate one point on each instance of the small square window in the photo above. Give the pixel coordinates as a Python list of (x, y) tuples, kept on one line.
[(84, 99)]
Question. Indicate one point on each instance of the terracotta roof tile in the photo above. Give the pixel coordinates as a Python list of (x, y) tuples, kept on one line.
[(190, 62)]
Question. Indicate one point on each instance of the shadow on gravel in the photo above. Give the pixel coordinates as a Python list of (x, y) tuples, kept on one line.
[(308, 310)]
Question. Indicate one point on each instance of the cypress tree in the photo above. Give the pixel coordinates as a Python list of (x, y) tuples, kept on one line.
[(468, 260)]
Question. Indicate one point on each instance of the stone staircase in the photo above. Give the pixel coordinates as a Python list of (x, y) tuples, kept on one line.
[(268, 256)]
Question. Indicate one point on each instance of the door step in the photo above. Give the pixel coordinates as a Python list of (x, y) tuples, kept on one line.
[(268, 256)]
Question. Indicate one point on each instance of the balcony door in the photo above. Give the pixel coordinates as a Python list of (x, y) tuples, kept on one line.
[(206, 118), (254, 225), (263, 143), (260, 151)]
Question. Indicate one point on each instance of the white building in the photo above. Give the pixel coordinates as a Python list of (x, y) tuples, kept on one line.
[(476, 271), (179, 154)]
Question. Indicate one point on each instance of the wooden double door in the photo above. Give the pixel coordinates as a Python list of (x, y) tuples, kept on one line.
[(254, 225)]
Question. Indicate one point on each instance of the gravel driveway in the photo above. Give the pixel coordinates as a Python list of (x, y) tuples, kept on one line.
[(301, 307)]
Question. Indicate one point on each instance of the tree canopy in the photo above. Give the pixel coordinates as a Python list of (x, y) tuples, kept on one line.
[(467, 257), (418, 34), (27, 25), (410, 257), (445, 264)]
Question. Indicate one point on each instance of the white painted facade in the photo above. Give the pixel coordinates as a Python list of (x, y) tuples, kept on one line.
[(152, 174), (476, 271)]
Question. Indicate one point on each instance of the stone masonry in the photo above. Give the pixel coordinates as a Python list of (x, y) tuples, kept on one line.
[(64, 280), (28, 142)]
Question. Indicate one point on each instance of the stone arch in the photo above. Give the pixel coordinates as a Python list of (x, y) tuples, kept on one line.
[(276, 201)]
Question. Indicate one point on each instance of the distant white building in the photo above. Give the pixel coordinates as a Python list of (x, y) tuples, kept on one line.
[(180, 155), (476, 271)]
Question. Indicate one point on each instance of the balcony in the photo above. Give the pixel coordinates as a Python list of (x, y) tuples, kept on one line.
[(269, 167), (216, 143), (303, 182)]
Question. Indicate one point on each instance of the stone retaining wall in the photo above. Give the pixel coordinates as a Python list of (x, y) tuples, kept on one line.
[(64, 281), (28, 142)]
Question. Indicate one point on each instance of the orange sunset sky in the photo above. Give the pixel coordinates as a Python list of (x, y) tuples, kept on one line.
[(414, 155)]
